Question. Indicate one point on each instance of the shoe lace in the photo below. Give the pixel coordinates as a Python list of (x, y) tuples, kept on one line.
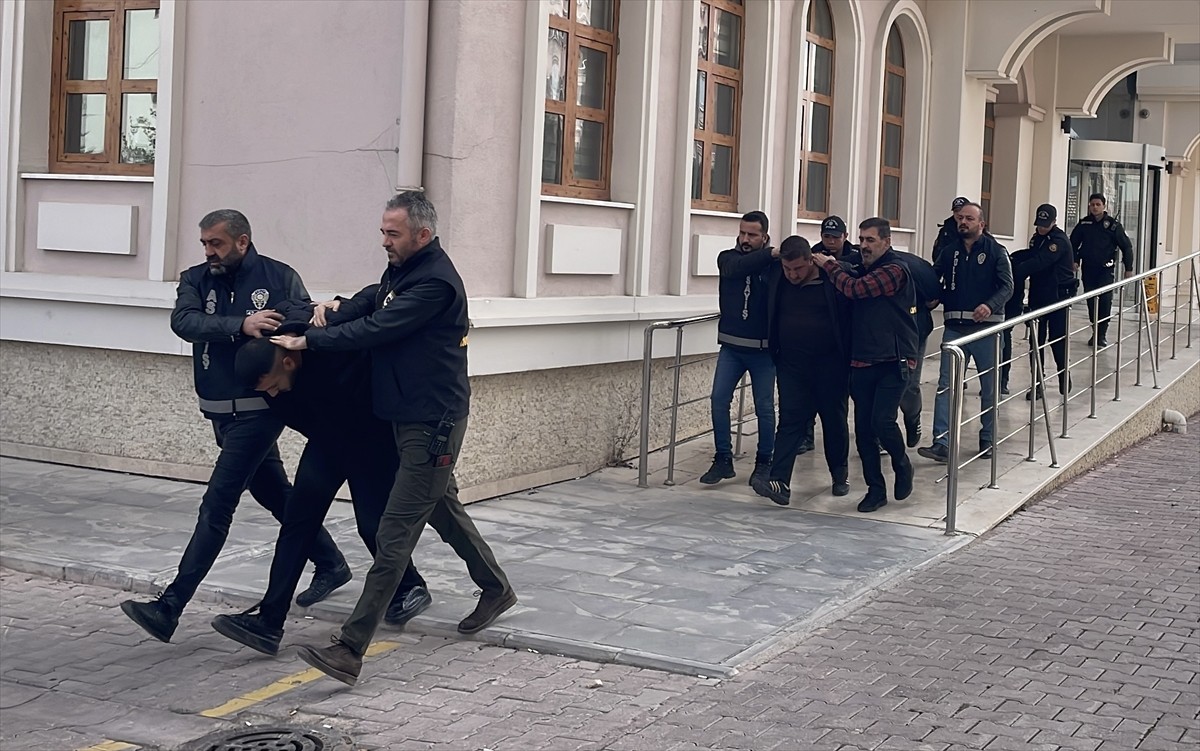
[(477, 593)]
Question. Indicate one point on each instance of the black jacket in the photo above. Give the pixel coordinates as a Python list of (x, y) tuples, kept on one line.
[(742, 295), (982, 275), (839, 308), (884, 329), (1097, 242), (947, 235), (850, 254), (415, 324), (209, 312), (1049, 265), (926, 289)]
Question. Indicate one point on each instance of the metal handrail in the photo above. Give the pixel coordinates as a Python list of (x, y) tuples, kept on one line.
[(954, 349), (647, 361)]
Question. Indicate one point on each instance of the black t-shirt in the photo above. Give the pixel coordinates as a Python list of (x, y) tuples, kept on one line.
[(806, 327)]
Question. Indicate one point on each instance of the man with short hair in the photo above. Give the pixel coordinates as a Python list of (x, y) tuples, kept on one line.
[(883, 351), (326, 397), (222, 304), (948, 230), (809, 334), (742, 335), (414, 322), (1098, 239), (977, 281)]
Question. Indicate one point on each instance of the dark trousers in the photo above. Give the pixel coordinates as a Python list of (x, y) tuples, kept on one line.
[(818, 388), (421, 493), (910, 401), (370, 468), (876, 391), (249, 460), (1054, 326), (1103, 302)]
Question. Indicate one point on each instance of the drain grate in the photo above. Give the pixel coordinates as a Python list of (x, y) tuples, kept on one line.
[(268, 739)]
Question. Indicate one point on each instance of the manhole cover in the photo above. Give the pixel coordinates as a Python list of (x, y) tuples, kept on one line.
[(268, 739)]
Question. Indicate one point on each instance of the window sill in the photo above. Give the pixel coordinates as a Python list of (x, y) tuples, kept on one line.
[(722, 214), (92, 178), (588, 202)]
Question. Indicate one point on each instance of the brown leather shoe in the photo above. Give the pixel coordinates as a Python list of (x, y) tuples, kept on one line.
[(336, 661), (491, 605)]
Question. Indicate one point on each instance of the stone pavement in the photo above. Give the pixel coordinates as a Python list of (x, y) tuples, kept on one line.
[(1074, 625)]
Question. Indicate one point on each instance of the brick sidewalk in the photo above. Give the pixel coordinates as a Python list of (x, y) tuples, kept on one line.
[(1074, 625)]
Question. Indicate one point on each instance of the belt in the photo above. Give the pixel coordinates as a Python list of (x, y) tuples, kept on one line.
[(739, 341), (233, 406), (969, 317)]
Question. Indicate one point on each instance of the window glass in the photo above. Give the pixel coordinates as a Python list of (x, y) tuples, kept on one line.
[(556, 63), (822, 70), (705, 11), (894, 97), (820, 21), (560, 8), (141, 44), (722, 171), (729, 40), (593, 67), (891, 197), (87, 53), (697, 169), (595, 13), (818, 188), (891, 145), (701, 98), (895, 49), (820, 128), (85, 123), (552, 142), (726, 99), (589, 149), (138, 116)]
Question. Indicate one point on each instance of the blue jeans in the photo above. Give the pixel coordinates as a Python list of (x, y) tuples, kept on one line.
[(984, 354), (732, 364)]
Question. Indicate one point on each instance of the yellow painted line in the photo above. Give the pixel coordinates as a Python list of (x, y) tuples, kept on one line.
[(281, 686), (110, 746)]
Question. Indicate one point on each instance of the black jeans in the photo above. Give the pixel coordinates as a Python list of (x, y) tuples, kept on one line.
[(422, 493), (249, 460), (876, 391), (370, 468), (820, 388)]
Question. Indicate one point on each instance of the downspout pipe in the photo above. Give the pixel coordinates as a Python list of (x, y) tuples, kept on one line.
[(410, 139)]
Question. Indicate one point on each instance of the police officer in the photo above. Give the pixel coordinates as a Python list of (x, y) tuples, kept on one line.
[(1049, 265), (948, 231), (1096, 240), (221, 304)]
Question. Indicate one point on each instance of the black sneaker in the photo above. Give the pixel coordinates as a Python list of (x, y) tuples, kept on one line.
[(776, 490), (985, 450), (323, 584), (912, 432), (1103, 341), (721, 469), (762, 471), (491, 605), (1032, 394), (249, 629), (841, 487), (156, 617), (936, 452), (904, 481), (336, 661), (869, 504), (1003, 390), (404, 609), (805, 447)]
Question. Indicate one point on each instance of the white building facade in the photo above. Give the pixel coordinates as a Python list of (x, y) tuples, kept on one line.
[(578, 207)]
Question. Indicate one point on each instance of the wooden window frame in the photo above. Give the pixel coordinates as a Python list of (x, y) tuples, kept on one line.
[(579, 34), (707, 135), (989, 175), (888, 119), (809, 97), (113, 87)]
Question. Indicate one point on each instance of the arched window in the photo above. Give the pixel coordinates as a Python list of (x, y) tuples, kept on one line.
[(989, 150), (893, 129), (718, 105), (817, 108), (581, 68)]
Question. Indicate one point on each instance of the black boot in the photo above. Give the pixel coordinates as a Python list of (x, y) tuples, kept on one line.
[(721, 469)]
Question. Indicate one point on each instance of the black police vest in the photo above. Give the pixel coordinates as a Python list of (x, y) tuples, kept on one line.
[(971, 281), (884, 329), (260, 283), (743, 304)]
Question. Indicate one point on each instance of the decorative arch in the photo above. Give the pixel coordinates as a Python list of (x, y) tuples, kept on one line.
[(1089, 66), (1003, 35), (847, 105), (909, 21)]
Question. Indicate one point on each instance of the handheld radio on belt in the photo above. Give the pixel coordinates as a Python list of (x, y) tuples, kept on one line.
[(439, 443)]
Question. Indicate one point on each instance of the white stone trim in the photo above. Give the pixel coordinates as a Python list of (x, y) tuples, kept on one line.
[(685, 108), (164, 213), (88, 178), (12, 41), (529, 178), (588, 202)]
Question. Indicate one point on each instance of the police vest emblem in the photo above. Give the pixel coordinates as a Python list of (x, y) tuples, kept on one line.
[(981, 258), (1053, 248), (210, 302), (1107, 224), (259, 297)]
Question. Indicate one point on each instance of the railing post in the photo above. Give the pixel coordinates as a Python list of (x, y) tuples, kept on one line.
[(1151, 337), (737, 449), (996, 339), (957, 369), (675, 406), (1034, 380), (1175, 310), (1117, 357), (1195, 285), (644, 439), (1139, 298), (1063, 378)]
